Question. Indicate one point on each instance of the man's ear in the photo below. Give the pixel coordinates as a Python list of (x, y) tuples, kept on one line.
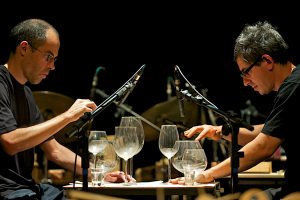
[(23, 47), (267, 58)]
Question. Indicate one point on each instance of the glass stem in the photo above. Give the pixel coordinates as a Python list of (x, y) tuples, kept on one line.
[(169, 169), (126, 171), (131, 167), (95, 161), (101, 177)]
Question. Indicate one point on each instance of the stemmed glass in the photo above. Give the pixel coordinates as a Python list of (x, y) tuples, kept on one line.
[(167, 143), (126, 144), (96, 143), (134, 122), (183, 145), (107, 160), (194, 161)]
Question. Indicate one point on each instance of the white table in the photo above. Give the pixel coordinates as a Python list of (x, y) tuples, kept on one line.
[(154, 188)]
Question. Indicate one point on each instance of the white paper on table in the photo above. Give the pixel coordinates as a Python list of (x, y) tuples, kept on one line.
[(149, 184), (137, 184), (155, 184)]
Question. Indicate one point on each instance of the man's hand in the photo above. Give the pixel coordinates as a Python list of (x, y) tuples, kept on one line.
[(118, 177), (204, 177), (179, 180), (204, 131), (79, 107)]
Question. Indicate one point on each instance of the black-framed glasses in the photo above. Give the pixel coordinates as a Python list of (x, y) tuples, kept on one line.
[(49, 57), (246, 71)]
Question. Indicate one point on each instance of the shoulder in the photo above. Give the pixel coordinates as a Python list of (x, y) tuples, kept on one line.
[(293, 80), (296, 72), (4, 73), (5, 80)]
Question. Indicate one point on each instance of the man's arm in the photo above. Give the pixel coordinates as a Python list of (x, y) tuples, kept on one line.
[(214, 132), (61, 155), (262, 147), (25, 138), (245, 136), (65, 158)]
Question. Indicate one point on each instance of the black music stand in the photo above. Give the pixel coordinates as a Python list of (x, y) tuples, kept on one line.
[(232, 121), (80, 127)]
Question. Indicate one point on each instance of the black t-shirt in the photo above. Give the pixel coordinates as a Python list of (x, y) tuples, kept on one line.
[(17, 109), (284, 124)]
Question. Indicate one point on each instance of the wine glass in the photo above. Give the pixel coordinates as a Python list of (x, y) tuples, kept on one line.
[(183, 145), (167, 143), (96, 142), (194, 161), (126, 144), (107, 160), (135, 122)]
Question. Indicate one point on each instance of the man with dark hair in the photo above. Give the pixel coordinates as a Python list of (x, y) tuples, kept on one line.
[(262, 56), (34, 46)]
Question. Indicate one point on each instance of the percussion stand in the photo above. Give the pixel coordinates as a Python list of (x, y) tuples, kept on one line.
[(235, 123), (80, 127)]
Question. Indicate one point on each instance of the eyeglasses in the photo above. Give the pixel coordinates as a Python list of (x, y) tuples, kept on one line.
[(246, 71), (49, 57)]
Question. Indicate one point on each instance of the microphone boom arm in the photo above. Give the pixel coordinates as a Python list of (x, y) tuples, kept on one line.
[(87, 118), (232, 121)]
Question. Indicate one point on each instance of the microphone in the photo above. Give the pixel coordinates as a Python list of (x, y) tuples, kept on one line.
[(179, 96), (169, 88), (95, 82), (132, 83)]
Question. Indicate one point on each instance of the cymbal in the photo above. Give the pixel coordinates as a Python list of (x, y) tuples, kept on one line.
[(52, 104), (167, 112)]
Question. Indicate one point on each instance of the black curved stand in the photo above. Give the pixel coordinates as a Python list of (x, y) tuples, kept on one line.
[(235, 123), (231, 120), (80, 127), (235, 155)]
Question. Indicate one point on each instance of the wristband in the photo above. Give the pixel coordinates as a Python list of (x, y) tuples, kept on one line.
[(226, 129)]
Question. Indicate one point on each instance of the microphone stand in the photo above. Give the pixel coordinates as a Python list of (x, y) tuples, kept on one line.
[(235, 123), (80, 125)]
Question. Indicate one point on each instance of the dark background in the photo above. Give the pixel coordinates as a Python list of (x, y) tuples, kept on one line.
[(121, 38)]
